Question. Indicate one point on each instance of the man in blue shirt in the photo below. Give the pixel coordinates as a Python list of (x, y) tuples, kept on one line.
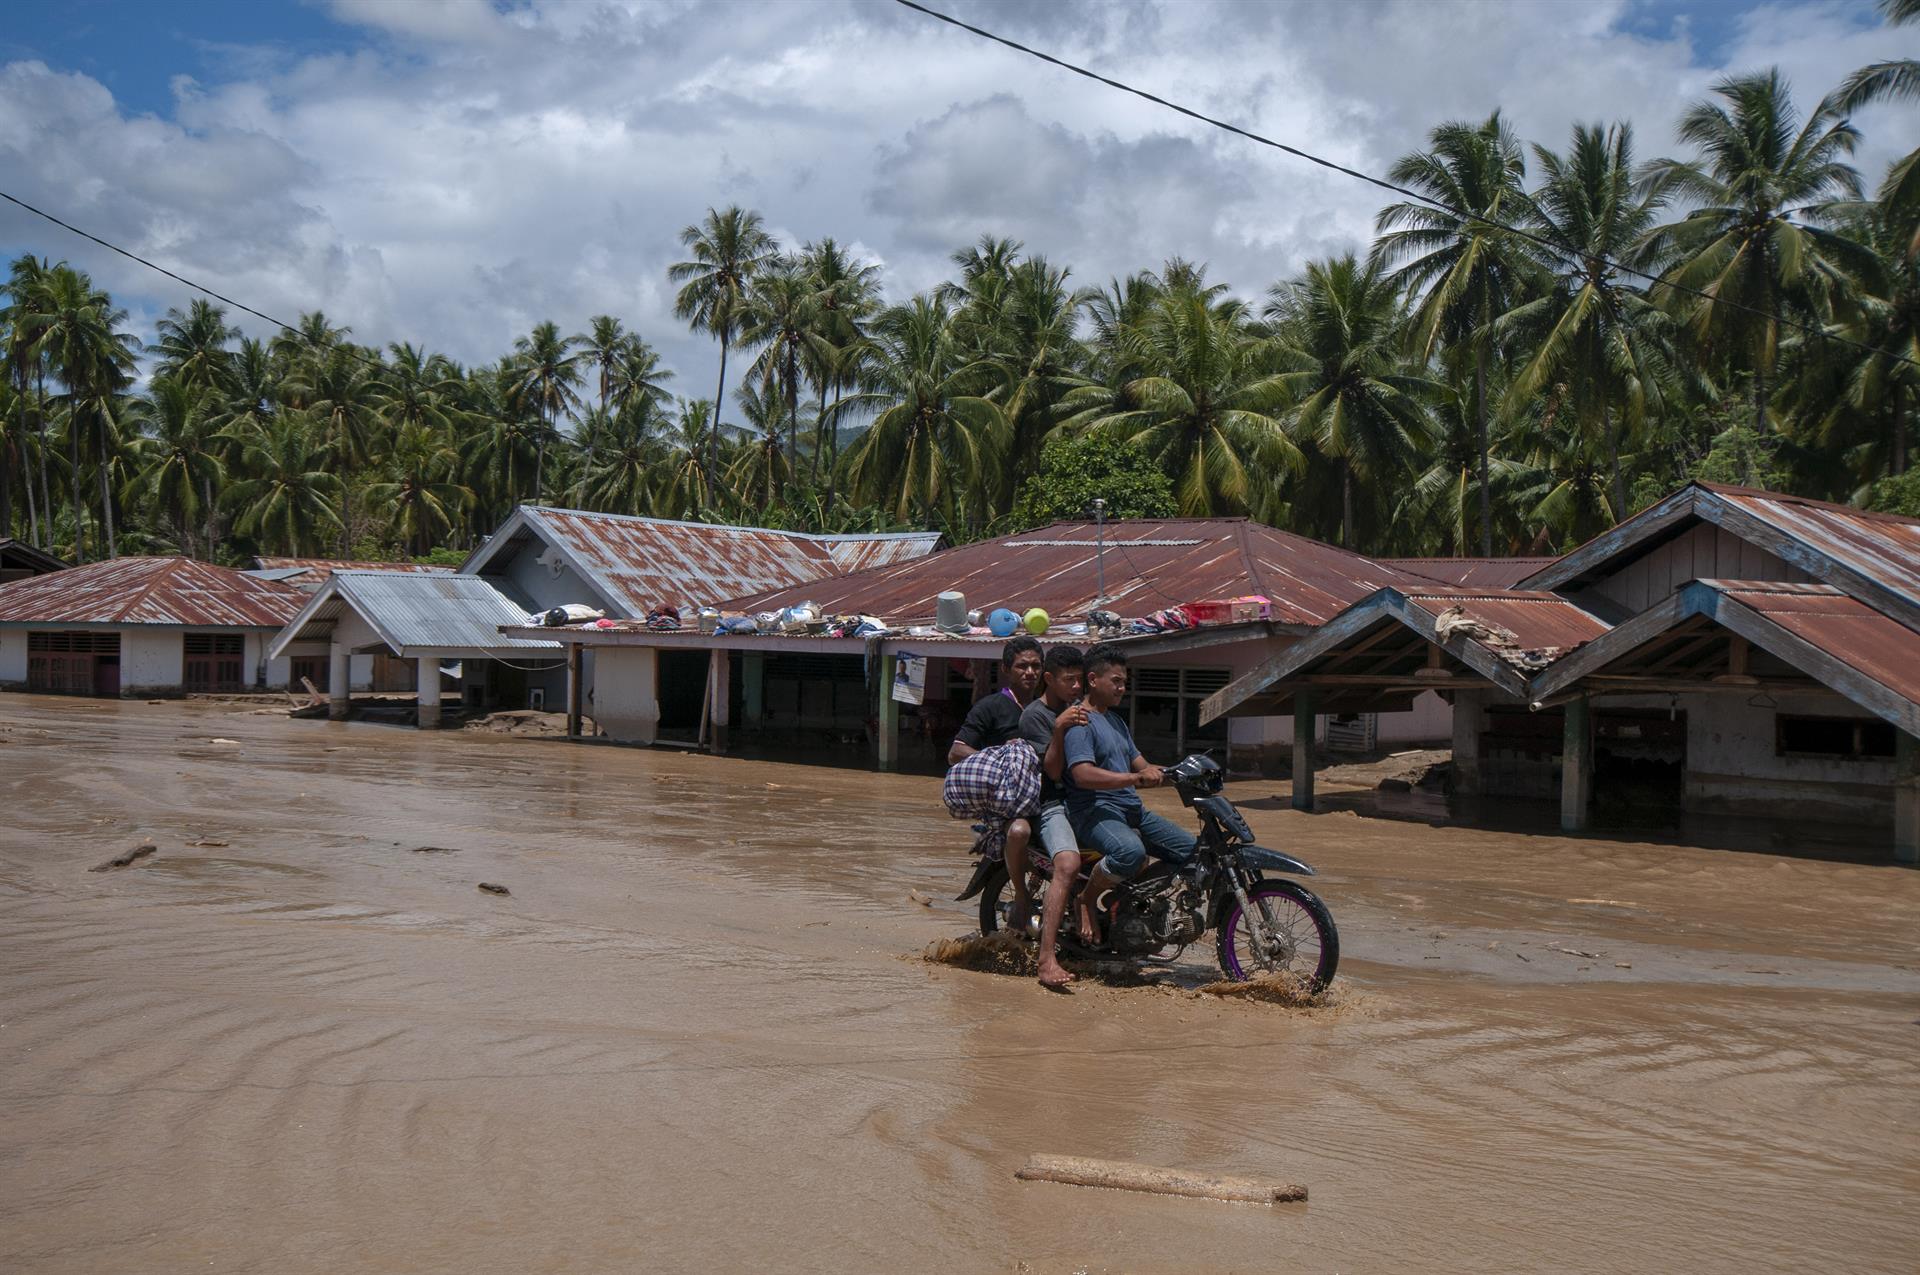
[(1104, 769)]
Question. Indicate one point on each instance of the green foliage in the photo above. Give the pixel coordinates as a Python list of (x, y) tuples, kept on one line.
[(1075, 471), (442, 556), (1899, 494)]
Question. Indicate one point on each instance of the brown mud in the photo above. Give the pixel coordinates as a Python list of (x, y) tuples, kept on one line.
[(690, 1038)]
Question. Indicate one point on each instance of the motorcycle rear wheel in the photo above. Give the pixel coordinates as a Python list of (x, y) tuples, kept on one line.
[(1311, 945)]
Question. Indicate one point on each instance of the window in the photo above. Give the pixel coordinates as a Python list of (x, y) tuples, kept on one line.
[(81, 662), (215, 662), (1163, 707), (1851, 738)]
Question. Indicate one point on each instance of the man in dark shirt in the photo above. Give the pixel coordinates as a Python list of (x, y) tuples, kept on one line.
[(994, 720), (1045, 724)]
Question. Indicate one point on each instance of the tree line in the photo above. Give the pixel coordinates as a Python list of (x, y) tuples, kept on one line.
[(1567, 336)]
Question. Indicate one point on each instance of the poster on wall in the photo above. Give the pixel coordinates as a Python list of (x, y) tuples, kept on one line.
[(910, 679)]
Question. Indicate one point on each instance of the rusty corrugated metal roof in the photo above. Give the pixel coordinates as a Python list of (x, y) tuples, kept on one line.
[(1149, 565), (1885, 548), (641, 563), (1876, 645), (1471, 573), (313, 572), (1544, 624), (150, 591)]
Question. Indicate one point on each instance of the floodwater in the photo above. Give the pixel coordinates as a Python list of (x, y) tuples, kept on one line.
[(695, 1036)]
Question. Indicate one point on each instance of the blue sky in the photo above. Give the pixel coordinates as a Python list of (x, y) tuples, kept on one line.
[(449, 172)]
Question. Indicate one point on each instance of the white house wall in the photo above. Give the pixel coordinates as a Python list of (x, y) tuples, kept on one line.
[(13, 658), (626, 701), (1733, 766), (151, 659), (1705, 552)]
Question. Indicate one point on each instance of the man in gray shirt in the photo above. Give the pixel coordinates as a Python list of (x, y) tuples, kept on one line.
[(1044, 723)]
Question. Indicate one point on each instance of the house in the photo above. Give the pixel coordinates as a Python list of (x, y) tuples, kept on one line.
[(821, 690), (1724, 651), (140, 627), (18, 560), (539, 559)]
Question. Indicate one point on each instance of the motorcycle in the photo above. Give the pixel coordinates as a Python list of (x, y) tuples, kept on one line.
[(1260, 926)]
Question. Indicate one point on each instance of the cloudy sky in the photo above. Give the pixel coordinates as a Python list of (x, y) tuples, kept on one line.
[(450, 172)]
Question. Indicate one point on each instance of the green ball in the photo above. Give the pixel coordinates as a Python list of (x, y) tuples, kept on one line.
[(1036, 621)]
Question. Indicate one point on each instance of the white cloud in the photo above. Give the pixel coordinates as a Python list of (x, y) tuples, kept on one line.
[(472, 169)]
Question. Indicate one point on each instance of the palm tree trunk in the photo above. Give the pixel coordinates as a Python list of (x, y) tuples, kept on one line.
[(206, 496), (40, 432), (26, 474), (1616, 485), (79, 522), (6, 487), (106, 486), (793, 414), (719, 398), (819, 433), (1759, 386), (1899, 434), (833, 452), (1480, 440), (1346, 504)]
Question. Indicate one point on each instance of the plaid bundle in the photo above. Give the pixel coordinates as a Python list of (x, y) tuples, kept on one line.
[(994, 785), (663, 619)]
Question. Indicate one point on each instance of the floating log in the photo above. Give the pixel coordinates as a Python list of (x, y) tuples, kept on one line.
[(1119, 1175), (140, 851), (491, 888)]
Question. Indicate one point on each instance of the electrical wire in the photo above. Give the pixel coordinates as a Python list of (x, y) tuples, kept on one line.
[(1561, 251), (342, 347)]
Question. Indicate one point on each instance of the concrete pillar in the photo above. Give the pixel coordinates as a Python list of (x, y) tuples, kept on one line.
[(576, 689), (1469, 723), (1906, 800), (720, 686), (339, 681), (753, 688), (889, 715), (1304, 719), (427, 681), (1576, 765)]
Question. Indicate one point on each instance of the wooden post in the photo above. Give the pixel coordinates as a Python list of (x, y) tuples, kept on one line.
[(1304, 718), (576, 688), (889, 715), (1576, 764), (1906, 799), (720, 686)]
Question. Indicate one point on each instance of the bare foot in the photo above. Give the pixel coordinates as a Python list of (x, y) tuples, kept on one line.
[(1088, 927), (1053, 976), (1019, 913)]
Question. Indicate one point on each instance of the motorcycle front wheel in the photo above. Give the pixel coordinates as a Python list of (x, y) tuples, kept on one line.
[(1304, 942)]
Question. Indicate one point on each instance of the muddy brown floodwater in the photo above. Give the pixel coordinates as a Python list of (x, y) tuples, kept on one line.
[(694, 1035)]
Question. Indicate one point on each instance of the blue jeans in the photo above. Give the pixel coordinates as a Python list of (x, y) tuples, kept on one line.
[(1125, 839)]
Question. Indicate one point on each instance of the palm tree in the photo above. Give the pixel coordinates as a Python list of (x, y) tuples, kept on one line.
[(1469, 269), (1751, 252), (687, 485), (343, 398), (192, 347), (846, 295), (1206, 404), (1037, 356), (639, 382), (727, 249), (421, 501), (782, 316), (1589, 328), (179, 456), (620, 478), (549, 372), (762, 464), (936, 435), (288, 502), (1898, 79), (78, 331), (1340, 331)]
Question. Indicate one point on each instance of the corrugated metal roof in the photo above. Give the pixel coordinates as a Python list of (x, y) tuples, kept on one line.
[(1472, 573), (641, 563), (149, 591), (1875, 645), (1543, 624), (416, 612), (1883, 548), (1148, 565), (311, 573)]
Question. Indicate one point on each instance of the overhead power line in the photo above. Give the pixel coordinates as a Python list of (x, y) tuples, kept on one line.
[(344, 347), (1558, 250)]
